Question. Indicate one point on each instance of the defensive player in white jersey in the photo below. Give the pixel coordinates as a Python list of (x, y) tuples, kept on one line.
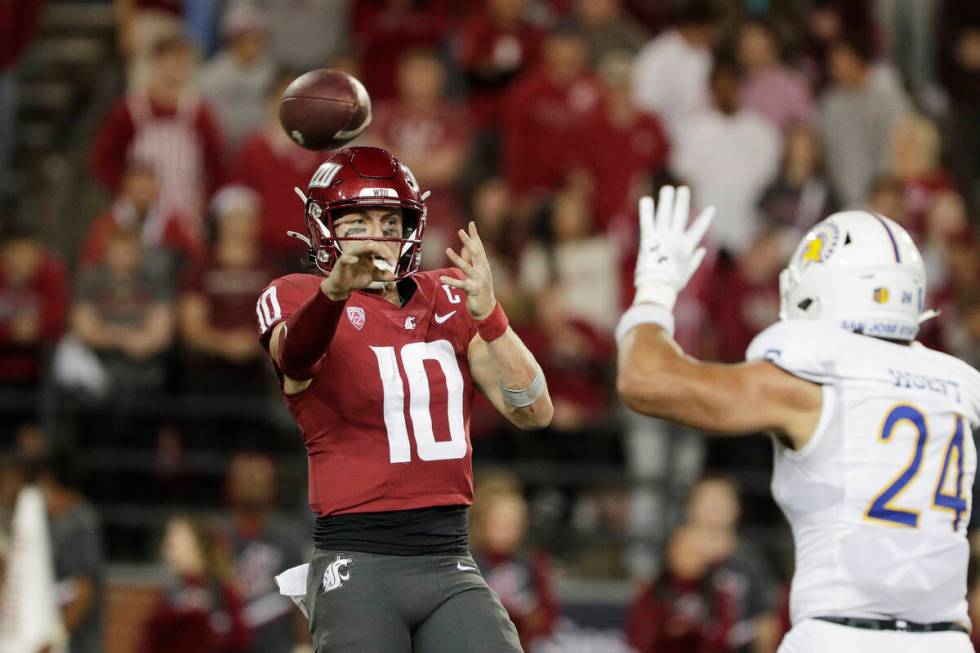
[(874, 455)]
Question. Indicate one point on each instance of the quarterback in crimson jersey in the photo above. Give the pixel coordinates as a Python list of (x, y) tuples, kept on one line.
[(378, 364)]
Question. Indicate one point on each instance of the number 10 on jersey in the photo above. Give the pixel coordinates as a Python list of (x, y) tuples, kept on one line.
[(413, 357)]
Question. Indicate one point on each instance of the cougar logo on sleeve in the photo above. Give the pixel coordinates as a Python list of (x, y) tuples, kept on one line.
[(336, 573)]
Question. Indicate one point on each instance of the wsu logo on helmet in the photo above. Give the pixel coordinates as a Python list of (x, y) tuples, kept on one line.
[(336, 573)]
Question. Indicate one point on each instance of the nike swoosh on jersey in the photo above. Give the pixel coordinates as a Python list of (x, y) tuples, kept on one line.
[(460, 565), (442, 318)]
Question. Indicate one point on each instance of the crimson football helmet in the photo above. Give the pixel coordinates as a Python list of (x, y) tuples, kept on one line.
[(362, 177)]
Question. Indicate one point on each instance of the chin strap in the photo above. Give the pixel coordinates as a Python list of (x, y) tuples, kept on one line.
[(928, 315), (298, 236)]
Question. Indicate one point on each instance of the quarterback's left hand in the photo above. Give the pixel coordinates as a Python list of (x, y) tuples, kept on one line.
[(669, 255), (478, 282)]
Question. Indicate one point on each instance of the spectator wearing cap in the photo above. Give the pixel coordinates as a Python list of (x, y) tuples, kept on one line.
[(670, 73), (237, 79), (272, 165), (771, 88), (137, 209), (168, 127), (729, 156), (856, 116), (217, 302)]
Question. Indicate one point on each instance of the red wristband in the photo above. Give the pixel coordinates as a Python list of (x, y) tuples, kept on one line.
[(494, 325)]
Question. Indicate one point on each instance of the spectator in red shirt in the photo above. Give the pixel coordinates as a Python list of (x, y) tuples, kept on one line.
[(627, 145), (272, 165), (386, 29), (138, 209), (547, 117), (685, 609), (497, 45), (429, 134), (915, 149), (33, 303), (742, 297), (520, 575), (217, 305), (198, 611), (168, 127)]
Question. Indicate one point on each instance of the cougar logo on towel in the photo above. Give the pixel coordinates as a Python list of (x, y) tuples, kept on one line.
[(336, 573)]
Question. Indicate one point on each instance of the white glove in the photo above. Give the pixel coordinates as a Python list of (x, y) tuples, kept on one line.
[(668, 255)]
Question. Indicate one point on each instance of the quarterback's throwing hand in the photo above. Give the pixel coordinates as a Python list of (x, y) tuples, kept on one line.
[(669, 254), (358, 268), (477, 282)]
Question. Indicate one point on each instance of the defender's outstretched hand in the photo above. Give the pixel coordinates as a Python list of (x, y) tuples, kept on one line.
[(478, 282), (363, 263), (669, 255)]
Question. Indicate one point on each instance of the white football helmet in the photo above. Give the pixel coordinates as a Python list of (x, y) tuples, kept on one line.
[(860, 270)]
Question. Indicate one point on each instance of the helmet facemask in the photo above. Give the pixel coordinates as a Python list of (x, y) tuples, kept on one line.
[(326, 247)]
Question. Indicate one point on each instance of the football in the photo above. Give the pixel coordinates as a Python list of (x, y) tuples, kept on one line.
[(324, 109)]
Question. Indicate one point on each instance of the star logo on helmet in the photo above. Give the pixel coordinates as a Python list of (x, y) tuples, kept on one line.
[(820, 245)]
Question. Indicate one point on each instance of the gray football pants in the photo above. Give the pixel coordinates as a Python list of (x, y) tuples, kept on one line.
[(373, 603)]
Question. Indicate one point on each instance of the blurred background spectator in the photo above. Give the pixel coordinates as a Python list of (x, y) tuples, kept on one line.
[(169, 127), (431, 135), (856, 116), (235, 81), (137, 210), (542, 120), (272, 165), (670, 73), (198, 611), (729, 156), (685, 608), (123, 313), (33, 306), (76, 547), (261, 547), (520, 576)]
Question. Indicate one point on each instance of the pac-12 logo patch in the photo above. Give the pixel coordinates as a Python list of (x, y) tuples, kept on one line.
[(336, 573), (819, 245), (356, 316)]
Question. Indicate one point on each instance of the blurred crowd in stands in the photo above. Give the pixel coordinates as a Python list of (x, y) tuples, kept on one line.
[(544, 121)]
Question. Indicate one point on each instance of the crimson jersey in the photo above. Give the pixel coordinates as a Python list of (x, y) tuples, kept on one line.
[(386, 419)]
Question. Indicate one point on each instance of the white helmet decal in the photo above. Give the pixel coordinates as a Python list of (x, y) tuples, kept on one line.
[(859, 270)]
